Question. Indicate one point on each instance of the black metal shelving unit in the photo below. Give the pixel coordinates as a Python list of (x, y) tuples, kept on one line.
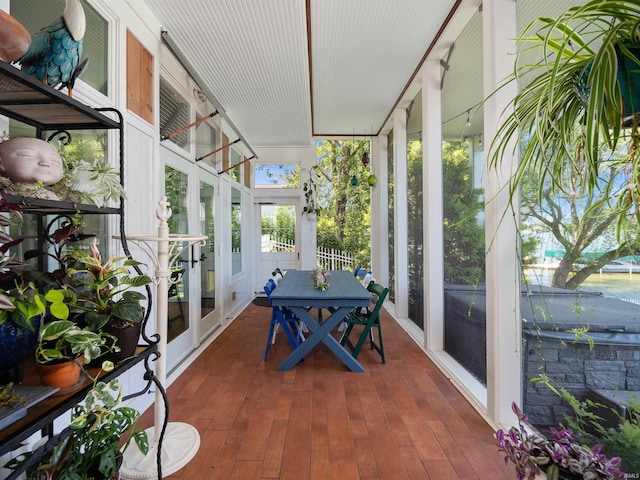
[(29, 101)]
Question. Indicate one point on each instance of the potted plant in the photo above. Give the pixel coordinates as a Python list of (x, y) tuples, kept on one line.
[(69, 232), (99, 433), (93, 182), (106, 297), (63, 347), (21, 306), (561, 457), (594, 422), (577, 96), (21, 311)]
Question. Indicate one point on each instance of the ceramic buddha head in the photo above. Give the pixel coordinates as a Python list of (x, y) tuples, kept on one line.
[(30, 163)]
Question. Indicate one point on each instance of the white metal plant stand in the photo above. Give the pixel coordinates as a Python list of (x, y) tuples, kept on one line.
[(176, 442)]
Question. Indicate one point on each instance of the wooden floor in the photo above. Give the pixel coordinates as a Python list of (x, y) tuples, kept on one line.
[(402, 420)]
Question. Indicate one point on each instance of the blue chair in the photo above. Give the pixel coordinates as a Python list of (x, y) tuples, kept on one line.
[(281, 316), (361, 272)]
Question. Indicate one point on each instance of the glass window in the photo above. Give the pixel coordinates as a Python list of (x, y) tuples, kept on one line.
[(391, 222), (414, 211), (462, 203), (207, 259), (174, 115), (581, 281), (236, 231), (36, 14), (206, 142), (271, 175), (176, 185), (278, 232), (235, 171)]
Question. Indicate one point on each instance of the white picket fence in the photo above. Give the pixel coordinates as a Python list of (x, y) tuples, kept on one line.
[(328, 258), (332, 259)]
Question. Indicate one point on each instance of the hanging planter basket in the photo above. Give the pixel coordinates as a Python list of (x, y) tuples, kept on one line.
[(629, 79), (628, 76)]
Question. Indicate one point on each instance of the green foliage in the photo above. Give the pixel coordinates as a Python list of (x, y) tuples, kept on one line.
[(573, 108), (22, 306), (622, 441), (578, 217), (9, 398), (464, 249), (310, 194), (62, 340), (97, 429), (105, 285), (345, 215)]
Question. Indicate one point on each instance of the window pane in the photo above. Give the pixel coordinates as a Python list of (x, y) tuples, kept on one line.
[(236, 231), (391, 222), (236, 158), (208, 260), (462, 203), (414, 209), (206, 142), (278, 228), (174, 114), (175, 185), (270, 175)]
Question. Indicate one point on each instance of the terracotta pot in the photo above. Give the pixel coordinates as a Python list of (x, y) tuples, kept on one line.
[(62, 375)]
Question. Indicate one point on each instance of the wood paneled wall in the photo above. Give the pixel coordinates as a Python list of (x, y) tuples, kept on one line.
[(139, 79)]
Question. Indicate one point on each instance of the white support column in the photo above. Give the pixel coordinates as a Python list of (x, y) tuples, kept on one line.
[(400, 211), (504, 346), (380, 221), (308, 231), (432, 198)]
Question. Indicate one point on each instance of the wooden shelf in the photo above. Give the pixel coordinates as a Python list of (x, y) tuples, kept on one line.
[(44, 413), (30, 101), (56, 207)]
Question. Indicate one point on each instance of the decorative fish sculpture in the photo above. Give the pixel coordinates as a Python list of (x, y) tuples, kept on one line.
[(55, 51)]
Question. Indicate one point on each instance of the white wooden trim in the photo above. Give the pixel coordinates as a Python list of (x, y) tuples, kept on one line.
[(503, 287)]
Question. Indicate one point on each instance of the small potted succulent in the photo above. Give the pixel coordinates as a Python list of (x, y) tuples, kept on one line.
[(561, 457)]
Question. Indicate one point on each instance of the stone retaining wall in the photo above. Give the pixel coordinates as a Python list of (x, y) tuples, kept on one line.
[(611, 365)]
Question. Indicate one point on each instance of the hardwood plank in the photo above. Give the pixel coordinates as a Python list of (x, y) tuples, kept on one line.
[(400, 420), (275, 450)]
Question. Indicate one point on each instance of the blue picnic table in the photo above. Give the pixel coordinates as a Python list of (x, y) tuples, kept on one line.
[(296, 291)]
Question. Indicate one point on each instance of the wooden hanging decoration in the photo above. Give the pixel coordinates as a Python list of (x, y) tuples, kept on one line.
[(217, 150), (235, 165), (184, 129)]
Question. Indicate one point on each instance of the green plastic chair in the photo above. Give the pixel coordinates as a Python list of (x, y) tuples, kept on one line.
[(368, 320)]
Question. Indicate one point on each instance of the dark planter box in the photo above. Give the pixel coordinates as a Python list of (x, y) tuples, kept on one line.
[(549, 345)]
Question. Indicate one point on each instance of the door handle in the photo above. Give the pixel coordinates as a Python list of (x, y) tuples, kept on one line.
[(193, 261)]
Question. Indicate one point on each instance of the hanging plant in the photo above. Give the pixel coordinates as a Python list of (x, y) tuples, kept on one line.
[(577, 101), (309, 189)]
